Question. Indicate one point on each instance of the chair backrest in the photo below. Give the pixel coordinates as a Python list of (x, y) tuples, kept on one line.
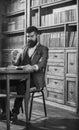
[(44, 71)]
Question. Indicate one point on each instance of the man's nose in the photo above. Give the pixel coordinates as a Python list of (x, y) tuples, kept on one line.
[(29, 38)]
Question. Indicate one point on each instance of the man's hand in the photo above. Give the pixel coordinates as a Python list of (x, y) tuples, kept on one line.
[(30, 67), (12, 67), (15, 55), (27, 67)]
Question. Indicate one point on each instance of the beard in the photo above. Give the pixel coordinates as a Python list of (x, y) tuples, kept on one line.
[(32, 43)]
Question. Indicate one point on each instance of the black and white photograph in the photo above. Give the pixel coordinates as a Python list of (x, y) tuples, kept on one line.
[(39, 64)]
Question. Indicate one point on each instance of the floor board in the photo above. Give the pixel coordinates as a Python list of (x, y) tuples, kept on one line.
[(57, 119)]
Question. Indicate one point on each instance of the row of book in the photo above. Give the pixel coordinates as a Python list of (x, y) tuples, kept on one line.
[(73, 39), (57, 16), (51, 16), (39, 2), (15, 5), (13, 42), (55, 39), (6, 60), (35, 19), (16, 23), (59, 39)]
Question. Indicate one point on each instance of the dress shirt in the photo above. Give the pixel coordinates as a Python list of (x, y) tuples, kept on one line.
[(31, 52)]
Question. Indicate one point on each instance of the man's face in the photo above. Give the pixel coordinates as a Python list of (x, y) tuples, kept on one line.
[(31, 39)]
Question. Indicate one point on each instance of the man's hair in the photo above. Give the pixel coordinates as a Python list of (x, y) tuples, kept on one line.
[(32, 29)]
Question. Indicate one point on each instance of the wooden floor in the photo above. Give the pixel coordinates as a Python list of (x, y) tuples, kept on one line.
[(57, 119)]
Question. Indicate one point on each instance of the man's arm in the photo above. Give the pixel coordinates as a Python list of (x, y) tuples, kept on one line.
[(43, 60)]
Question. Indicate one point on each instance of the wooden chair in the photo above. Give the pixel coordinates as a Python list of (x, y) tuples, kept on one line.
[(34, 91)]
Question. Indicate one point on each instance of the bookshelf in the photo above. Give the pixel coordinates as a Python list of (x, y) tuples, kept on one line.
[(14, 28), (1, 20), (58, 21)]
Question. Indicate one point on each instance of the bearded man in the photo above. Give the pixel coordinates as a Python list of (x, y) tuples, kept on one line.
[(35, 56)]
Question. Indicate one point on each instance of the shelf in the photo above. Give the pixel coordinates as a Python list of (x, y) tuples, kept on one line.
[(14, 32), (35, 7), (56, 48), (50, 27), (55, 3), (15, 13), (49, 4), (74, 23), (68, 49)]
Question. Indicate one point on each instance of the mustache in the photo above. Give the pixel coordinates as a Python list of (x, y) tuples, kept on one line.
[(30, 41)]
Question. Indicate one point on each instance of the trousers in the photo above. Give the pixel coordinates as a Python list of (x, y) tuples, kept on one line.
[(21, 89)]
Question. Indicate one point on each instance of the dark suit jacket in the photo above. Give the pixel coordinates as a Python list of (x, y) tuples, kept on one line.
[(39, 57)]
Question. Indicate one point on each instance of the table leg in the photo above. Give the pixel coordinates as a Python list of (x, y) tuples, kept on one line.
[(8, 104), (27, 97)]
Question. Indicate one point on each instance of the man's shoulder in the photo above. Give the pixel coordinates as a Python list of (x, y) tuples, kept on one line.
[(43, 46)]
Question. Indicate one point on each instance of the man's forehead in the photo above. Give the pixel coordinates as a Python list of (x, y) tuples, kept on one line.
[(31, 33)]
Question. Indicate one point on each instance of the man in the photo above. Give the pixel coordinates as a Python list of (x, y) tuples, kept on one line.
[(35, 55)]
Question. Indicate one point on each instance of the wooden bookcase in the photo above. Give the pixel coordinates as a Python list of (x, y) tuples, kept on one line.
[(14, 28), (58, 22), (1, 21)]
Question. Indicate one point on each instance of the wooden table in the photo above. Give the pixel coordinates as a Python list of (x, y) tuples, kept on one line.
[(13, 74)]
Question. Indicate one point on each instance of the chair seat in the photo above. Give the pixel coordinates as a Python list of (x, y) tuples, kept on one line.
[(36, 92), (34, 89)]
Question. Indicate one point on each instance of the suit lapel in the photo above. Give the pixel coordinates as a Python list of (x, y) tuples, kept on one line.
[(24, 52)]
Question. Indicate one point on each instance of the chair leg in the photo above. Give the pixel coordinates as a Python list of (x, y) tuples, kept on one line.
[(22, 108), (44, 103), (31, 104)]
